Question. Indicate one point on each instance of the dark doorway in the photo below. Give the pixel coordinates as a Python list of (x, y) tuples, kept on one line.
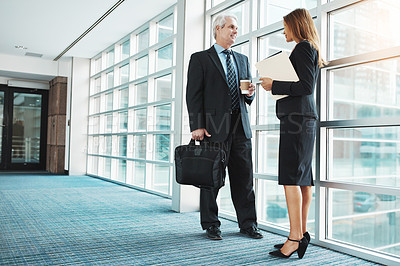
[(23, 128)]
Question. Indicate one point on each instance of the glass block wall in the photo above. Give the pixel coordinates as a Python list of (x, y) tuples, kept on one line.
[(132, 103)]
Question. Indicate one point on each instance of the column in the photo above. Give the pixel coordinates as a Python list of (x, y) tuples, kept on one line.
[(190, 39)]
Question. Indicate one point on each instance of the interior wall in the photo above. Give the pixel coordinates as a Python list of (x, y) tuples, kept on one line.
[(78, 120), (190, 19), (25, 67)]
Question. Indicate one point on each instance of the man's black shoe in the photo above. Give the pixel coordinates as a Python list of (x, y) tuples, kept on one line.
[(214, 233), (252, 232)]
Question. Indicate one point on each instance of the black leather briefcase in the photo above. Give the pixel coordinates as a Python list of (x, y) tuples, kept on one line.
[(201, 165)]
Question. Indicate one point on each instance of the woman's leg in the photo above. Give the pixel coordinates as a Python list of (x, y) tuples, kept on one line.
[(294, 203), (306, 192)]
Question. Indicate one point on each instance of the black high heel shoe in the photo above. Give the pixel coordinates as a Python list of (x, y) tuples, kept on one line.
[(306, 235), (301, 250)]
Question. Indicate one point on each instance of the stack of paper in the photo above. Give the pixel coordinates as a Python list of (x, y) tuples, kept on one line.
[(277, 67)]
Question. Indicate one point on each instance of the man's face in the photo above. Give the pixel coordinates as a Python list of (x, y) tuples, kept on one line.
[(226, 36)]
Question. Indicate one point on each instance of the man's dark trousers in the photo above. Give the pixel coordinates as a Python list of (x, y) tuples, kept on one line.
[(239, 153)]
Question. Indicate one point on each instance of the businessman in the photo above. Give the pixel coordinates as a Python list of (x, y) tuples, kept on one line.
[(218, 113)]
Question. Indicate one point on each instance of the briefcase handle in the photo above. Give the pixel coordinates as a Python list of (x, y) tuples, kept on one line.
[(203, 142)]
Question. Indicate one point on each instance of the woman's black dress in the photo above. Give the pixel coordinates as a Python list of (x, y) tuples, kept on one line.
[(298, 115)]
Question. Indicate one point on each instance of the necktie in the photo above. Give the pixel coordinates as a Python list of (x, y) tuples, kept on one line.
[(232, 80)]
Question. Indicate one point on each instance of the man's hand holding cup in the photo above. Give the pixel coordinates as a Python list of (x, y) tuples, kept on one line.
[(246, 87)]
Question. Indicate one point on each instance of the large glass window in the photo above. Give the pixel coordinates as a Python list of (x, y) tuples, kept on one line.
[(369, 155), (225, 199), (143, 40), (242, 12), (124, 74), (140, 146), (109, 101), (365, 27), (216, 2), (273, 43), (139, 174), (163, 117), (267, 156), (166, 28), (242, 48), (140, 119), (110, 58), (108, 145), (97, 85), (365, 91), (161, 178), (162, 150), (123, 121), (266, 108), (109, 123), (95, 123), (93, 165), (131, 110), (142, 65), (97, 65), (123, 98), (272, 11), (107, 167), (110, 80), (141, 93), (359, 140), (164, 57), (95, 105), (125, 50), (273, 208), (121, 171), (365, 219), (163, 88), (122, 140)]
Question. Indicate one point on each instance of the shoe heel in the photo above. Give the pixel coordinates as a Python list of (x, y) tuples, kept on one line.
[(302, 247)]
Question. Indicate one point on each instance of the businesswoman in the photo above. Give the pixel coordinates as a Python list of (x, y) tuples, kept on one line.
[(298, 116)]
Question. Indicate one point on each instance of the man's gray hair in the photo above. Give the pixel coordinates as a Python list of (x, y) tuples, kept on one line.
[(220, 20)]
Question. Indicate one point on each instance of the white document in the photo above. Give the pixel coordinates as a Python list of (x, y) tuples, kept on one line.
[(277, 67)]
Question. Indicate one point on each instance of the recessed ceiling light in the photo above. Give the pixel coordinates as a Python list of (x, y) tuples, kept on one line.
[(33, 54), (21, 47)]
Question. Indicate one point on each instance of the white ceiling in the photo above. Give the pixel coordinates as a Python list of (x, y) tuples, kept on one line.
[(49, 26)]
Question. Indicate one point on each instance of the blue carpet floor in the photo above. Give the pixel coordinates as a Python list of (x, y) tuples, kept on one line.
[(79, 220)]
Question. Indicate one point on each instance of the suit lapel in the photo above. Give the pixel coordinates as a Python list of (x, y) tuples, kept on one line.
[(214, 57)]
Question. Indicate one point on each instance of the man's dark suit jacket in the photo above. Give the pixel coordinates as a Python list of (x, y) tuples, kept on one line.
[(301, 102), (208, 96)]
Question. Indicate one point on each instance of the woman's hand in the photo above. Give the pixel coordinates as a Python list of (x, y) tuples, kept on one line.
[(251, 90), (266, 83)]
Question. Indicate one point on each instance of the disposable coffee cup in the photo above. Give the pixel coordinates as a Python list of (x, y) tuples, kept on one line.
[(244, 86)]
